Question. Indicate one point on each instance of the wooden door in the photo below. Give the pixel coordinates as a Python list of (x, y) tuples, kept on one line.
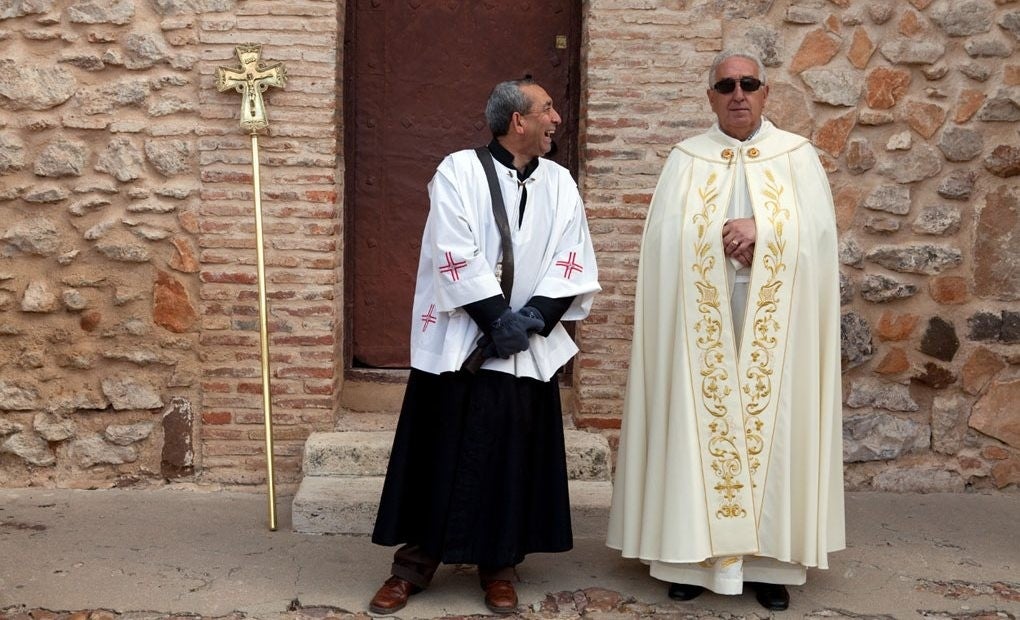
[(417, 76)]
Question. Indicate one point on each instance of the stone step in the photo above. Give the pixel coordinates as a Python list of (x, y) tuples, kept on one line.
[(348, 505), (366, 453), (344, 474)]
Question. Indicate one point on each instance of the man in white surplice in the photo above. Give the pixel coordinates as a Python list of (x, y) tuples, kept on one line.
[(477, 474), (730, 462)]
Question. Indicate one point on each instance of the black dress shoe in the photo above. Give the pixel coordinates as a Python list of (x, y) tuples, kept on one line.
[(684, 591), (772, 596)]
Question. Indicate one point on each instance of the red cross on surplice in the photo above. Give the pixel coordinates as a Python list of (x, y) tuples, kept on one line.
[(451, 267), (428, 318), (570, 265)]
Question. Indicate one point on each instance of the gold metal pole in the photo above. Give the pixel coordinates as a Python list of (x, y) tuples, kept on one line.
[(251, 79), (267, 405)]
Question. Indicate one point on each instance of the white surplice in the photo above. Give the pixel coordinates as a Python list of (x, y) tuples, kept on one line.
[(461, 247), (730, 458)]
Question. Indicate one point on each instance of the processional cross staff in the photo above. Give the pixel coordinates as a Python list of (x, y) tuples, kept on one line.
[(251, 79)]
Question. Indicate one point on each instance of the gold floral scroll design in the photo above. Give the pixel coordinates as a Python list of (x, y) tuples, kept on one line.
[(761, 369), (715, 388)]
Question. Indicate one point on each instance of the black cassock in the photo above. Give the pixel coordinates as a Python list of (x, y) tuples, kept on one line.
[(477, 474)]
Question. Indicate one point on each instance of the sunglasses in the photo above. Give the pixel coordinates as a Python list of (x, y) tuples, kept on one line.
[(728, 85)]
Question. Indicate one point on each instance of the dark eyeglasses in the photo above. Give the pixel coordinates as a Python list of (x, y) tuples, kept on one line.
[(728, 85)]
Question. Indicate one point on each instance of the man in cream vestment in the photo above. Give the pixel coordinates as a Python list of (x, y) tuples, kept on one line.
[(730, 460)]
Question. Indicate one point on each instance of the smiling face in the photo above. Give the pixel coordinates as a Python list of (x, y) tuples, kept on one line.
[(739, 112), (539, 124)]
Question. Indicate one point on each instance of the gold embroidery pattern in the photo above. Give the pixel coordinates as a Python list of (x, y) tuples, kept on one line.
[(723, 562), (730, 561), (726, 461), (758, 384)]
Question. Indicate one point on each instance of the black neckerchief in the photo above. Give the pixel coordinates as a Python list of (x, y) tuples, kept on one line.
[(506, 158)]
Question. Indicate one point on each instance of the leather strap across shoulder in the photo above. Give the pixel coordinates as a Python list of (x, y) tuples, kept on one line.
[(506, 280)]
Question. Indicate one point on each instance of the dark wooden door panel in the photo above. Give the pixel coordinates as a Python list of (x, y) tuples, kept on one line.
[(418, 74)]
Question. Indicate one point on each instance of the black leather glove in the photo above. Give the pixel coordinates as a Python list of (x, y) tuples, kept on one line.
[(509, 334)]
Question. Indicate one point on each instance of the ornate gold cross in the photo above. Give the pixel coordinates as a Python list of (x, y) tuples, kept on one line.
[(251, 79)]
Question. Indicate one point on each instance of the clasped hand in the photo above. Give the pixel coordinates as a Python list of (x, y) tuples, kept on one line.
[(509, 333), (738, 237)]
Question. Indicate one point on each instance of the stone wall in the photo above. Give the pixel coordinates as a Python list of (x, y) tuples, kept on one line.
[(128, 306), (915, 109)]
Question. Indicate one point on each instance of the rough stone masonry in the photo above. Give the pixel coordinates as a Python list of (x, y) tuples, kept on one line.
[(128, 317)]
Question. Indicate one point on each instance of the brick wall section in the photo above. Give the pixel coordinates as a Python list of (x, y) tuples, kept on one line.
[(300, 181), (644, 85)]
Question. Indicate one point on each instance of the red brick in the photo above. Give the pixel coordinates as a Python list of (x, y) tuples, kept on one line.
[(326, 339), (321, 263), (307, 403), (237, 372), (216, 417), (616, 123), (597, 422), (256, 388), (318, 389), (226, 176), (229, 277), (231, 448), (226, 434), (330, 228), (641, 199), (321, 196), (310, 372)]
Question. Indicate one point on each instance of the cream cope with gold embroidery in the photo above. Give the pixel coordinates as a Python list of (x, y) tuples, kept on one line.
[(734, 405), (727, 452)]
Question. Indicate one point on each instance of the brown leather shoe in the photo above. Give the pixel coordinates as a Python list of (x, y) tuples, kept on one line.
[(392, 596), (500, 597)]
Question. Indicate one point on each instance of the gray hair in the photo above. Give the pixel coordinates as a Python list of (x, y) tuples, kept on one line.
[(727, 54), (506, 98)]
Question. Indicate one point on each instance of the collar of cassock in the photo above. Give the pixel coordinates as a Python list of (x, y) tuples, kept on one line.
[(506, 158)]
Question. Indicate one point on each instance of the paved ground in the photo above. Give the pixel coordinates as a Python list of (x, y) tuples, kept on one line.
[(198, 553)]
